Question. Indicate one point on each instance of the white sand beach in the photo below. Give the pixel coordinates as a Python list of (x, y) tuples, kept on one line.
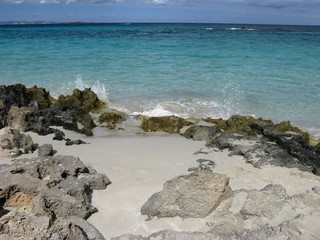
[(139, 164)]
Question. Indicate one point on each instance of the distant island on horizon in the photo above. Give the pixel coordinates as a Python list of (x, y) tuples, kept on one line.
[(77, 23)]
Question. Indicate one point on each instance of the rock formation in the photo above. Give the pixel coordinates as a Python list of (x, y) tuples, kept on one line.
[(13, 143), (48, 198), (112, 118), (33, 109), (188, 196), (170, 124)]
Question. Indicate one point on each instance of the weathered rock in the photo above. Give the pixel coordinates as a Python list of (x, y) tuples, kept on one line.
[(40, 96), (265, 203), (112, 118), (13, 143), (62, 202), (222, 140), (45, 150), (54, 193), (201, 133), (41, 121), (13, 95), (74, 142), (85, 99), (170, 124), (276, 144), (87, 122), (245, 125), (25, 226), (95, 181), (17, 118), (188, 196), (59, 136)]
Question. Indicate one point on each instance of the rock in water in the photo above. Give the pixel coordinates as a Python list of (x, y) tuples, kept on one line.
[(189, 196)]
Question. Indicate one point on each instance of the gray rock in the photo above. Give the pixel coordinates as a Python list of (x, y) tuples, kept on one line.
[(17, 118), (74, 142), (62, 203), (201, 133), (45, 150), (25, 226), (265, 203), (51, 196), (169, 235), (13, 143), (59, 136), (188, 196)]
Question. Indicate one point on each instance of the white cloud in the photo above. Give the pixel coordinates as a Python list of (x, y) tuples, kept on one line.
[(160, 1)]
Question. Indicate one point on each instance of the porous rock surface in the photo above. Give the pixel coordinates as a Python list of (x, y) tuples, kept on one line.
[(33, 109), (267, 213), (188, 196), (262, 142), (111, 118), (48, 198), (169, 124), (14, 143)]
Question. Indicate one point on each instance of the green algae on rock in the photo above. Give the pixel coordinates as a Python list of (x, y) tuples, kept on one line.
[(169, 124), (111, 118), (85, 99)]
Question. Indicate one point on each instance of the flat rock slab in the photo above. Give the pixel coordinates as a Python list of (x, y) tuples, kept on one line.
[(188, 196)]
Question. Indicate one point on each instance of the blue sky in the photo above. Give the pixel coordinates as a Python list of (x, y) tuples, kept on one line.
[(216, 11)]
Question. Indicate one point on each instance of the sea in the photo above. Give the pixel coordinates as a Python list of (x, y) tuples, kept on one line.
[(188, 70)]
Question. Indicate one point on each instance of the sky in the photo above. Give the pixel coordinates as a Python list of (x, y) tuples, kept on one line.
[(301, 12)]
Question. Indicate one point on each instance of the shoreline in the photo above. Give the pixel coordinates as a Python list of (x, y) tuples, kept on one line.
[(140, 154)]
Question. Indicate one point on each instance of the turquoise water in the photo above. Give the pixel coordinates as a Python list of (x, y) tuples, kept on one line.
[(183, 69)]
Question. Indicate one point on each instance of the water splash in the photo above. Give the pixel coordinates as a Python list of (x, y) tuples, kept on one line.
[(97, 87)]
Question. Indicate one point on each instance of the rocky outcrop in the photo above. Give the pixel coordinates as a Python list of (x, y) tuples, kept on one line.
[(38, 97), (13, 143), (261, 142), (112, 118), (86, 99), (170, 124), (33, 109), (51, 197), (188, 196), (267, 213), (244, 125)]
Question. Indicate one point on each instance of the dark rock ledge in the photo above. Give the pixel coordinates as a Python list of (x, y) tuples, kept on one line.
[(48, 198)]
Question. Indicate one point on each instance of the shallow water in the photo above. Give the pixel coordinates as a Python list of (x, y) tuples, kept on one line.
[(183, 69)]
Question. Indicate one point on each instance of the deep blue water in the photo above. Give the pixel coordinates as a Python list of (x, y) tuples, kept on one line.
[(216, 70)]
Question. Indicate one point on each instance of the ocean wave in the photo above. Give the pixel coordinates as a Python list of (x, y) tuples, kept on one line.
[(181, 108), (240, 29)]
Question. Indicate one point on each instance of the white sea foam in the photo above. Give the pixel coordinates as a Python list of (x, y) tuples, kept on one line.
[(183, 108), (240, 29)]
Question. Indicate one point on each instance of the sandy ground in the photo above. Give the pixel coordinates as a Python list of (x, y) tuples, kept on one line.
[(139, 164)]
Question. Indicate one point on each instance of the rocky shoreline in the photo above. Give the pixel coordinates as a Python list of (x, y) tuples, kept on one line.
[(50, 196)]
